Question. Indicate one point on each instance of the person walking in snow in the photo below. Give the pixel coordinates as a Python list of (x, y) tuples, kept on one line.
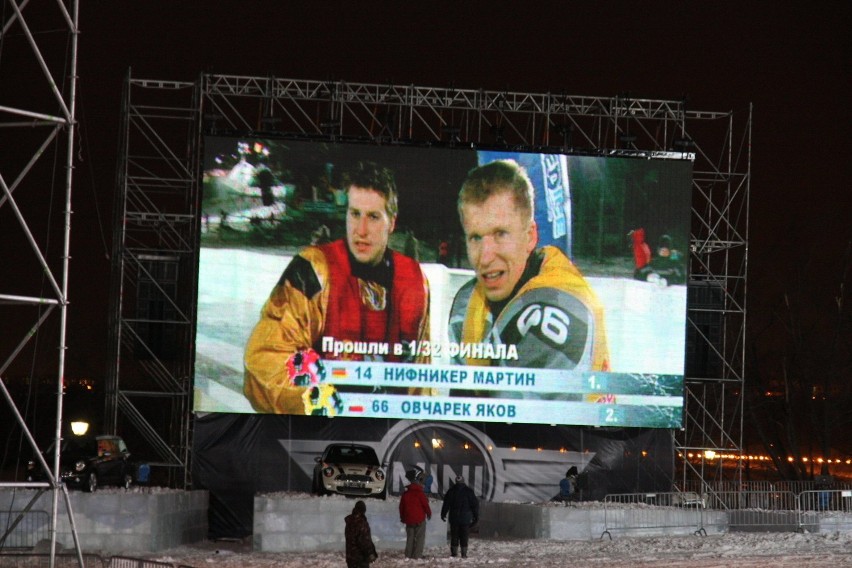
[(462, 506), (360, 550), (414, 511)]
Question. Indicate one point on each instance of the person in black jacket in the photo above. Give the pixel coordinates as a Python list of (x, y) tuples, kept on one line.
[(462, 506), (360, 550)]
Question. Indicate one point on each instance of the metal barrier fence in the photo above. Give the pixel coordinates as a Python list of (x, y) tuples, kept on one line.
[(30, 560), (653, 513), (825, 510), (796, 487), (768, 500), (756, 511), (130, 562), (650, 514), (23, 529)]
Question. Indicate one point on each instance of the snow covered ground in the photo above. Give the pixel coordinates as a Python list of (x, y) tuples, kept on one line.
[(750, 550)]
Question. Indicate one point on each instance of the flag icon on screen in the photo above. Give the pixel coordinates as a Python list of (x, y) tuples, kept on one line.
[(358, 408), (601, 398), (338, 372)]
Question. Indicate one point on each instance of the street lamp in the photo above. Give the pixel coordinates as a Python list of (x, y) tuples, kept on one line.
[(79, 427)]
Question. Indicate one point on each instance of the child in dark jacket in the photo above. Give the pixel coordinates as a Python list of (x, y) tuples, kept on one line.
[(360, 550)]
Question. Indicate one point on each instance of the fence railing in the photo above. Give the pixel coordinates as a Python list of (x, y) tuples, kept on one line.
[(741, 500), (823, 510), (23, 529), (757, 511), (652, 513), (746, 511), (30, 560), (130, 562), (728, 486), (64, 560)]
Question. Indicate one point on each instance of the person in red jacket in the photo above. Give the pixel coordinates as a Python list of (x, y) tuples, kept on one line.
[(414, 511), (641, 250)]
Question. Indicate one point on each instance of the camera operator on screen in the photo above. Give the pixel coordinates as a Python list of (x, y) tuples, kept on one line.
[(533, 298), (352, 290)]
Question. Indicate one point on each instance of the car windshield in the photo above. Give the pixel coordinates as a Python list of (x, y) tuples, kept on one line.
[(352, 454), (89, 447), (76, 447)]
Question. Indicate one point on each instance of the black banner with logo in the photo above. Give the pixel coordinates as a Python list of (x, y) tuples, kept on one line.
[(236, 456)]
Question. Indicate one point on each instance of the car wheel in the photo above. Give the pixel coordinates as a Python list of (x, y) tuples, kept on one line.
[(318, 488), (128, 481), (91, 483)]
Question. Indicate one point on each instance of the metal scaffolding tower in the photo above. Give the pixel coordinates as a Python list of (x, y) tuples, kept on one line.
[(158, 194), (36, 123), (153, 270)]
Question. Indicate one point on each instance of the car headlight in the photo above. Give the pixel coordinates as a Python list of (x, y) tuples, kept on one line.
[(380, 475), (328, 471), (80, 466)]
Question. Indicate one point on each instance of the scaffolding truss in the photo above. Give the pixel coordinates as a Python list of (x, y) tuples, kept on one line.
[(36, 123), (158, 189), (153, 271)]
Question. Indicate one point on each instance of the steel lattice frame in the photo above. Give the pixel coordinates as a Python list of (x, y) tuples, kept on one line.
[(40, 120), (158, 193), (155, 228)]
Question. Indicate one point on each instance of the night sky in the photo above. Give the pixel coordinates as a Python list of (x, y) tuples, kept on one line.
[(789, 59)]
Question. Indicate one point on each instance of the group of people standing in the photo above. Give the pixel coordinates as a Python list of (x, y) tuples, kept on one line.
[(460, 506)]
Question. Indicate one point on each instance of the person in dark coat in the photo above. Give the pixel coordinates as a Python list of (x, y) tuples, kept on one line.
[(568, 486), (360, 550), (462, 506)]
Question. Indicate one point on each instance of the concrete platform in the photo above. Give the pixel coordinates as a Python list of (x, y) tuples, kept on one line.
[(118, 521), (587, 521), (290, 523), (298, 523)]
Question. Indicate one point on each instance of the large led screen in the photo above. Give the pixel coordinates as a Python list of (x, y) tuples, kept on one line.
[(410, 282)]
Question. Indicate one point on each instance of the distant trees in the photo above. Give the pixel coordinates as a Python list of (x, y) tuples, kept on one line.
[(799, 369)]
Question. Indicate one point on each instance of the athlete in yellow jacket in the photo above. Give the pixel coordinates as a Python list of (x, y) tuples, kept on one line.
[(554, 318), (535, 300)]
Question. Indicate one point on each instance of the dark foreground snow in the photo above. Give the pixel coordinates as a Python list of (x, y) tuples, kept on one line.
[(763, 550)]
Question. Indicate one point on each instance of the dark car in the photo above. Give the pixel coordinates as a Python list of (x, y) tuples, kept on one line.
[(349, 469), (88, 462)]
